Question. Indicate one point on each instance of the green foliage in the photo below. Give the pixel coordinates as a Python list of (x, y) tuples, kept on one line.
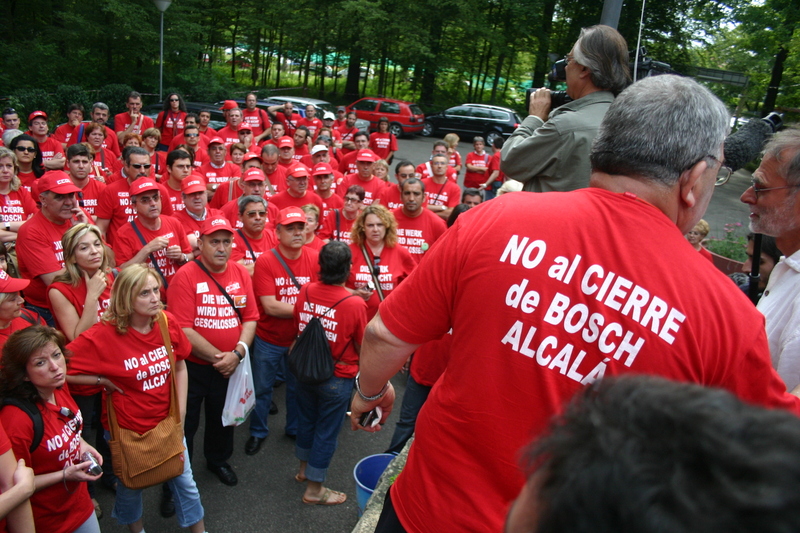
[(114, 95), (732, 245), (64, 96), (26, 101)]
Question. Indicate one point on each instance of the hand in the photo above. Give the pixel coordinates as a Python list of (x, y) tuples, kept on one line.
[(159, 243), (74, 122), (364, 292), (77, 473), (175, 253), (95, 285), (481, 186), (226, 363), (110, 387), (541, 102), (79, 215), (359, 407), (24, 478), (86, 447)]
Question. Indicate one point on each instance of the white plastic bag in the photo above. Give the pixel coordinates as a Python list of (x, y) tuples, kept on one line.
[(241, 396)]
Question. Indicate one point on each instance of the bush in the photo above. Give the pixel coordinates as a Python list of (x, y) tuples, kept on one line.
[(66, 95), (203, 85), (732, 245), (26, 101), (115, 96)]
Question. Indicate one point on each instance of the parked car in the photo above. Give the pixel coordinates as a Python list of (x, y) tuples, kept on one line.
[(300, 104), (404, 117), (217, 119), (470, 120)]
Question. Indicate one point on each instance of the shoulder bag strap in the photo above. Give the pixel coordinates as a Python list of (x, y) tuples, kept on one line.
[(371, 266), (308, 298), (152, 257), (338, 227), (247, 243), (269, 185), (223, 291), (174, 408), (286, 267), (440, 191)]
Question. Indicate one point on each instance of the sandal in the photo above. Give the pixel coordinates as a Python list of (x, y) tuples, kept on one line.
[(326, 498), (300, 479), (97, 510)]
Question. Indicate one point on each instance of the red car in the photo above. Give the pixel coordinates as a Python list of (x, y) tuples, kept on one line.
[(405, 118)]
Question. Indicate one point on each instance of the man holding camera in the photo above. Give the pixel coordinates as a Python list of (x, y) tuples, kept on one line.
[(549, 151)]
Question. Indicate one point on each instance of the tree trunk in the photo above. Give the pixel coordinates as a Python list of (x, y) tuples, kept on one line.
[(542, 61), (353, 73), (233, 46), (279, 59), (774, 82), (256, 58), (321, 76), (497, 71)]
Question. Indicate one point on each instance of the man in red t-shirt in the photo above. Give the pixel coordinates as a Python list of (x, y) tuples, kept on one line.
[(373, 186), (301, 139), (391, 196), (567, 306), (425, 170), (64, 132), (79, 167), (230, 133), (132, 121), (255, 117), (323, 180), (99, 115), (196, 210), (195, 142), (251, 184), (155, 240), (348, 131), (217, 170), (52, 152), (203, 118), (213, 301), (337, 225), (275, 173), (276, 131), (477, 165), (286, 150), (495, 176), (256, 234), (471, 197), (321, 153), (297, 193), (39, 251), (179, 167), (443, 194), (417, 227), (347, 165), (285, 114), (311, 122), (277, 287), (114, 209)]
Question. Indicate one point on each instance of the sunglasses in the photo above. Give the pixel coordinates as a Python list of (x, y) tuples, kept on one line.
[(29, 149), (174, 100), (139, 166)]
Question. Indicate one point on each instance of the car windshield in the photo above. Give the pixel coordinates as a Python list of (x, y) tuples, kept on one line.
[(326, 106), (415, 109)]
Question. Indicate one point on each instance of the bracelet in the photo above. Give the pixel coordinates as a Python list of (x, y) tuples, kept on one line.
[(370, 398), (245, 346), (98, 380), (64, 470), (240, 356)]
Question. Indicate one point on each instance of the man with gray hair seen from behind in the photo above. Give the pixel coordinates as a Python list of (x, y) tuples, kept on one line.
[(775, 210), (566, 309), (550, 150)]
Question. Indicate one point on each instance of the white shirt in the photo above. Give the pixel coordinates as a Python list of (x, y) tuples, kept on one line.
[(780, 305)]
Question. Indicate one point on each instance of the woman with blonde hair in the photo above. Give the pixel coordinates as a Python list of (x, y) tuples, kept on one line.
[(452, 151), (15, 200), (379, 263), (380, 169)]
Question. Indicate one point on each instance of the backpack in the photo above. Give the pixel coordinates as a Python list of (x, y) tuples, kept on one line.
[(30, 409), (310, 360)]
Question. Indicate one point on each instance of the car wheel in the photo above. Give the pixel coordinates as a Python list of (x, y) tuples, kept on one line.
[(491, 136), (427, 129), (396, 129)]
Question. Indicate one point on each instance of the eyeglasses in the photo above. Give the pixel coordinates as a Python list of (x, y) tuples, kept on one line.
[(757, 189), (723, 174), (349, 200), (191, 135), (568, 58), (148, 199), (302, 178), (140, 166), (406, 176), (29, 149)]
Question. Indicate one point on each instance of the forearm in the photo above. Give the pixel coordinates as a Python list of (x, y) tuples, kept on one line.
[(139, 258), (14, 505), (88, 317), (57, 163), (382, 355), (182, 387), (201, 347), (248, 332), (275, 308)]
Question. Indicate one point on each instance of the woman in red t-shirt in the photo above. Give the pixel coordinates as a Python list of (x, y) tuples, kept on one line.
[(171, 120), (151, 137), (104, 159), (16, 203), (29, 159), (34, 369)]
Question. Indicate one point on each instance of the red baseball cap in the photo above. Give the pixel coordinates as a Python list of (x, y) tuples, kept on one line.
[(244, 126), (213, 224), (216, 140), (228, 104), (291, 215), (36, 114), (192, 184), (9, 284), (143, 185), (366, 155), (322, 169), (285, 142), (56, 181), (298, 170), (254, 174), (249, 156)]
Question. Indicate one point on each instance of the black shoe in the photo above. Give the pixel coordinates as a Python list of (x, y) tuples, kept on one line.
[(225, 474), (291, 436), (167, 508), (273, 409), (253, 444), (277, 384)]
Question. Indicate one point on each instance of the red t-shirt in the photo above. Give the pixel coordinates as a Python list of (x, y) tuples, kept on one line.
[(258, 119), (174, 197), (289, 124), (191, 226), (249, 254), (474, 179), (448, 194), (284, 200), (229, 136), (159, 164), (115, 206), (123, 120), (391, 198), (197, 303), (17, 324), (425, 171), (171, 125), (372, 188), (63, 133), (17, 205), (315, 244), (329, 204), (417, 234), (217, 175), (344, 324), (138, 364), (39, 252), (271, 279), (90, 194), (231, 212), (430, 360), (110, 141), (455, 159), (382, 144), (329, 230), (50, 148), (494, 164), (347, 134), (347, 165), (77, 297), (128, 244), (565, 309), (55, 509), (313, 126), (27, 179), (395, 265)]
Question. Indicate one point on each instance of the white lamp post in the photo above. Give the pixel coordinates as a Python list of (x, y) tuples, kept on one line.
[(162, 6)]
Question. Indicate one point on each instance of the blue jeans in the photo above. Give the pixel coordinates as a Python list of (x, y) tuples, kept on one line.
[(322, 410), (265, 363), (413, 400), (189, 510)]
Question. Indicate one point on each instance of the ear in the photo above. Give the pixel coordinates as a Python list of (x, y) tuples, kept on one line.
[(689, 182)]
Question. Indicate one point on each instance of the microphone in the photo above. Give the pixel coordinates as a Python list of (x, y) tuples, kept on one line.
[(748, 141)]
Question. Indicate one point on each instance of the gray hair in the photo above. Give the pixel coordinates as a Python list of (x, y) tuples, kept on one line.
[(269, 150), (659, 127), (249, 199), (787, 141), (99, 105), (604, 52), (133, 150), (10, 135)]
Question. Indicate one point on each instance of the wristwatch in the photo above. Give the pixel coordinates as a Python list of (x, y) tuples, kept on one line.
[(239, 355)]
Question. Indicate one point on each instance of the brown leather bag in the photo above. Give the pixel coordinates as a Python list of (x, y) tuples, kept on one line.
[(142, 460)]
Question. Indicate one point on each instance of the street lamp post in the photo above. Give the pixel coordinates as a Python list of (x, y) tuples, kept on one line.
[(162, 6)]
